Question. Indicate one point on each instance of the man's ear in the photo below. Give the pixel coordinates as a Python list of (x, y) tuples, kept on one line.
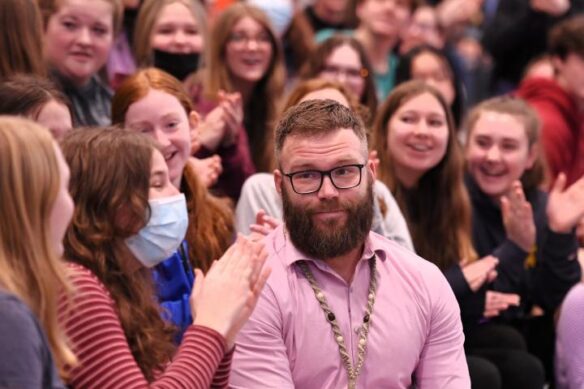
[(278, 180), (372, 166)]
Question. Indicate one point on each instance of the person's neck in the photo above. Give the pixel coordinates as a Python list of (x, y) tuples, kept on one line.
[(345, 265), (377, 47), (244, 87), (408, 178), (564, 84)]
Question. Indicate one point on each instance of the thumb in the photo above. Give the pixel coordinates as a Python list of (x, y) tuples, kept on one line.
[(198, 286), (560, 183)]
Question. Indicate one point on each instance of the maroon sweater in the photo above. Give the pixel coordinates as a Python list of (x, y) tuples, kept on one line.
[(562, 126), (105, 359)]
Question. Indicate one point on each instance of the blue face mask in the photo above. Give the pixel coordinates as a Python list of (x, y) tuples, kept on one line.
[(163, 234)]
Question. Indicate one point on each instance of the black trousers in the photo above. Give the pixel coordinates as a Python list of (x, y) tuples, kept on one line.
[(498, 358)]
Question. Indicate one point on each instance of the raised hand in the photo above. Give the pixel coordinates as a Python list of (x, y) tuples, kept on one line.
[(565, 207), (551, 7), (496, 302), (518, 218), (263, 225), (480, 271), (224, 299), (207, 169)]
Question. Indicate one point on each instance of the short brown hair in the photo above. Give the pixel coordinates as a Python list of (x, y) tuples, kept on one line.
[(317, 117), (567, 37), (520, 110)]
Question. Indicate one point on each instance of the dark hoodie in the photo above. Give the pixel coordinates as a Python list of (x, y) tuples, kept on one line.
[(562, 126), (542, 279)]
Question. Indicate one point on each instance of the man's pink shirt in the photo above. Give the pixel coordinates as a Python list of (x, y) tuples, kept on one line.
[(415, 330)]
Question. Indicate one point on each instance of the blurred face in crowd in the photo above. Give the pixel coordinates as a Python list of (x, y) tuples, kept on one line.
[(433, 70), (331, 11), (56, 117), (344, 66), (176, 30), (249, 50), (422, 29), (417, 137), (161, 116), (384, 18), (79, 37), (498, 152)]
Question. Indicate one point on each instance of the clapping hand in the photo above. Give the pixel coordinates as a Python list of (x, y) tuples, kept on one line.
[(224, 299), (263, 225), (480, 271), (496, 302), (518, 218), (565, 207)]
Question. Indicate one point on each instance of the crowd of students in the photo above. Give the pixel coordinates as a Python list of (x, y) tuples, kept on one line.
[(141, 174)]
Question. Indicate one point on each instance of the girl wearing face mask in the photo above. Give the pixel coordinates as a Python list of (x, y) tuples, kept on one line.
[(421, 162), (38, 99), (171, 35), (154, 103), (531, 232), (238, 92), (78, 39), (342, 59), (36, 209), (129, 217)]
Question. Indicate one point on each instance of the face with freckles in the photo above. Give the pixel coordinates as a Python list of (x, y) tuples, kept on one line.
[(330, 222), (161, 116), (498, 152)]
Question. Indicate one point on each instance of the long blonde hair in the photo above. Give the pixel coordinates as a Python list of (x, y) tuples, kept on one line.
[(29, 184)]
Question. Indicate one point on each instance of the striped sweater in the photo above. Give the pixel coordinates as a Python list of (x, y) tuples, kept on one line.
[(105, 360)]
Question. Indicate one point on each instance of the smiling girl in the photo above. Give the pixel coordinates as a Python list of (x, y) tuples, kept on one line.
[(78, 39), (529, 231)]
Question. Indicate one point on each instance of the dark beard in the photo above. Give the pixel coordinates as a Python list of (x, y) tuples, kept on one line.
[(331, 240)]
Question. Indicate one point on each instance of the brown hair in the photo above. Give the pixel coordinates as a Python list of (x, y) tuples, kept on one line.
[(317, 63), (107, 180), (519, 109), (21, 42), (29, 185), (305, 87), (211, 226), (26, 95), (567, 37), (261, 108), (316, 117), (50, 7), (149, 12), (438, 210)]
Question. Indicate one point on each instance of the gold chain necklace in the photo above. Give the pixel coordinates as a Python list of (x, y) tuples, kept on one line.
[(352, 372)]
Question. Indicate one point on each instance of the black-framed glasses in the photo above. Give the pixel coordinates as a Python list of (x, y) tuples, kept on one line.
[(310, 181)]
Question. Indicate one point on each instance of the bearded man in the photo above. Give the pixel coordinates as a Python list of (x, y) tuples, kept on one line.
[(343, 307)]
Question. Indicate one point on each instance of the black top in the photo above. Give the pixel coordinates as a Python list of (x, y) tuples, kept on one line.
[(541, 279), (25, 356)]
